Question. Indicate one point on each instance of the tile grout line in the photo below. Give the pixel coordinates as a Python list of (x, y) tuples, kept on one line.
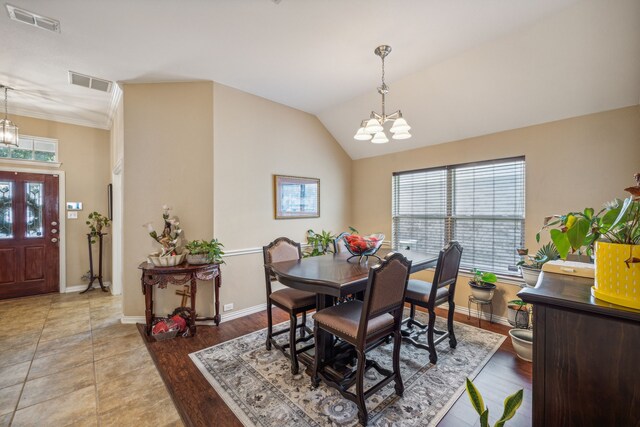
[(24, 383), (95, 373)]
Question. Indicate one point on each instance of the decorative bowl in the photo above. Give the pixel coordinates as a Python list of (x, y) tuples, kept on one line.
[(166, 261), (483, 292), (522, 340), (363, 246), (197, 259)]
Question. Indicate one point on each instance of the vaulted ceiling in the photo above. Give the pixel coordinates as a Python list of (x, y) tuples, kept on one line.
[(458, 68)]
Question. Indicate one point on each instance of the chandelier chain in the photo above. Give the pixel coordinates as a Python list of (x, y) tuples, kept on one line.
[(6, 113)]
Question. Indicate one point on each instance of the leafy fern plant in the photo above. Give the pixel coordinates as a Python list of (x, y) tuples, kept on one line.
[(511, 405)]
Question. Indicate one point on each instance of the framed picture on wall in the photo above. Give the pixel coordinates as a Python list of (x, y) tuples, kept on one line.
[(296, 197)]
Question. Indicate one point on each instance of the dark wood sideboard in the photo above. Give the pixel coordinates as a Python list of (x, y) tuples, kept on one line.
[(586, 356)]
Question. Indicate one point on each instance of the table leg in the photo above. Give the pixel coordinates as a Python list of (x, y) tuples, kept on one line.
[(148, 302), (216, 287), (324, 340), (194, 289)]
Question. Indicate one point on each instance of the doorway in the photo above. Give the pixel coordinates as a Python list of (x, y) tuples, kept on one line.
[(29, 234)]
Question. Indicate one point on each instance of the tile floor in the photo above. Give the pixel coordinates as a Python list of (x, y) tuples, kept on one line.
[(65, 359)]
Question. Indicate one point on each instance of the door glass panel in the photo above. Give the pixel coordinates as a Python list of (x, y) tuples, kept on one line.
[(34, 192), (6, 213)]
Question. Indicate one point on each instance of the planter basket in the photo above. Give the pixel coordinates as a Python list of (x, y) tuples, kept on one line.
[(615, 282)]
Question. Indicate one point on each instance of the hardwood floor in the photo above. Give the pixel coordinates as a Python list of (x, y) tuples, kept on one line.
[(199, 405)]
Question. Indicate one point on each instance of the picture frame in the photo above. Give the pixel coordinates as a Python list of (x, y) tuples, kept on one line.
[(296, 197)]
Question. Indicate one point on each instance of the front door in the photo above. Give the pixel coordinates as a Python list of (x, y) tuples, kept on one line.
[(29, 234)]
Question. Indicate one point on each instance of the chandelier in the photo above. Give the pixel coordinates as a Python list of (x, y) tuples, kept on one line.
[(373, 128), (8, 129)]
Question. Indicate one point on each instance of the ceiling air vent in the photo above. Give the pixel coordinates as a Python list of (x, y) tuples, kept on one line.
[(33, 19), (89, 82)]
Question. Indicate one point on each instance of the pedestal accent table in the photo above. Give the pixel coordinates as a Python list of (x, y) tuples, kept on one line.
[(183, 274)]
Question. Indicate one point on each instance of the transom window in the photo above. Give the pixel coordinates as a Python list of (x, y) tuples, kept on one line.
[(32, 148), (481, 205)]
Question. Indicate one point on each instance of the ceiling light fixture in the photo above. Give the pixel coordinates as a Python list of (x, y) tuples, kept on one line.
[(8, 129), (373, 128)]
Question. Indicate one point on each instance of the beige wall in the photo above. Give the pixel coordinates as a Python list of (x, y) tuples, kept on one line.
[(570, 164), (84, 154), (254, 139), (168, 159)]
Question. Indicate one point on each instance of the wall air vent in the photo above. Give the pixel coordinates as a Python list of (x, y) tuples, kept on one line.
[(33, 19), (89, 82)]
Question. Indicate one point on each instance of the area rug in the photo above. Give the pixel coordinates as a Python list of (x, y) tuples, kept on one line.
[(258, 385)]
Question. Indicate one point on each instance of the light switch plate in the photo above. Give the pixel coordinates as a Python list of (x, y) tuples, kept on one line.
[(72, 215)]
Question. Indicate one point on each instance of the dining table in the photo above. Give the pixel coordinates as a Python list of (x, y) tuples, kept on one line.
[(332, 278)]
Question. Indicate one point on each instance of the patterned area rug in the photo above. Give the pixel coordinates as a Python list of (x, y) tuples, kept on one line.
[(258, 385)]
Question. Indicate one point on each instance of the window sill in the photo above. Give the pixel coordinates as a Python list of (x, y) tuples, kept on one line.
[(18, 162), (507, 280)]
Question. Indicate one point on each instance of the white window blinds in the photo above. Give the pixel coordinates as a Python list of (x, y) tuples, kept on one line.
[(480, 205)]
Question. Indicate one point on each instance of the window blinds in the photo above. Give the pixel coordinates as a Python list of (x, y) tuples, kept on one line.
[(481, 205)]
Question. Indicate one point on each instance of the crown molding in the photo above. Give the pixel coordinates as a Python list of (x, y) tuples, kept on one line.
[(19, 111)]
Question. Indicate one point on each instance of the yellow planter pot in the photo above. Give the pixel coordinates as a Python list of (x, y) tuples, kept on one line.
[(615, 282)]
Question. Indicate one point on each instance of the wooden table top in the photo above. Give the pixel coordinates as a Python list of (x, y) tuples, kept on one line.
[(573, 292), (184, 268), (332, 275)]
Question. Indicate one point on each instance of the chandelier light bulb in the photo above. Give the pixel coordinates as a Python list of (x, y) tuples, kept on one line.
[(380, 138), (362, 135), (401, 135), (373, 126), (400, 125)]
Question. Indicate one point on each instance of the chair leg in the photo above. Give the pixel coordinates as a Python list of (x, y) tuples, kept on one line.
[(412, 316), (452, 336), (303, 325), (292, 343), (433, 357), (362, 408), (269, 326), (315, 379), (397, 339)]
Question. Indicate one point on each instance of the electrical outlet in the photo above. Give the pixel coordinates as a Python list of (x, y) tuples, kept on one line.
[(227, 307)]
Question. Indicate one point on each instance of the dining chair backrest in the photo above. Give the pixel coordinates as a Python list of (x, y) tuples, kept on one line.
[(339, 245), (447, 268), (281, 249), (386, 289)]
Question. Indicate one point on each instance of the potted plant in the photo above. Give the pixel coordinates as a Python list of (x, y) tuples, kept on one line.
[(614, 232), (511, 405), (531, 266), (203, 252), (319, 243), (483, 285), (96, 223)]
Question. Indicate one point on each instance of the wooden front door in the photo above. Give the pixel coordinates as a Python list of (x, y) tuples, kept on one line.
[(29, 234)]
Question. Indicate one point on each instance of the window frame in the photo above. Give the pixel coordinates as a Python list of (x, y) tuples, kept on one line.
[(33, 161), (449, 218)]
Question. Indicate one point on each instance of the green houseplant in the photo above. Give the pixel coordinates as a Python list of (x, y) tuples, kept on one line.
[(96, 223), (531, 266), (483, 284), (319, 243), (614, 234), (203, 252), (511, 405)]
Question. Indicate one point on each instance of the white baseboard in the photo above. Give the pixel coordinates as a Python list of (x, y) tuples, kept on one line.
[(484, 315), (223, 317), (80, 288), (243, 312)]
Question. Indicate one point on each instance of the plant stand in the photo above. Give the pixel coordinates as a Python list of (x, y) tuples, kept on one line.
[(479, 303), (93, 277)]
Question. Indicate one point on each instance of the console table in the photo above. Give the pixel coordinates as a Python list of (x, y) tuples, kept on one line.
[(586, 356), (182, 274)]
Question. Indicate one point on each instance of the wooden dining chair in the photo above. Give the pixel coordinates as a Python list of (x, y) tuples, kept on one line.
[(339, 245), (430, 295), (365, 325), (293, 301)]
